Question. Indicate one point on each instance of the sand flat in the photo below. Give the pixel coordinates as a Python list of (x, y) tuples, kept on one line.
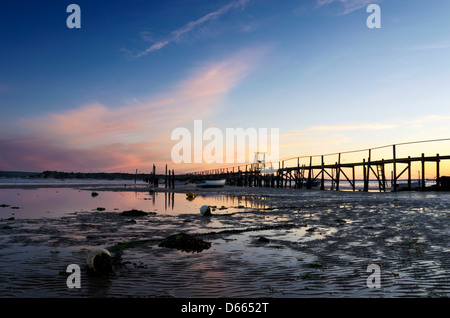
[(319, 245)]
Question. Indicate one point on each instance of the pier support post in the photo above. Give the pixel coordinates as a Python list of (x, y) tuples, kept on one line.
[(368, 170), (302, 176), (366, 184), (308, 186), (409, 172), (423, 171), (277, 178), (353, 173), (394, 168), (437, 173), (322, 180), (338, 172), (246, 176), (383, 176)]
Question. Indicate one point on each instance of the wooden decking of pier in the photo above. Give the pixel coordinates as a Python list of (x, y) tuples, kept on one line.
[(309, 175)]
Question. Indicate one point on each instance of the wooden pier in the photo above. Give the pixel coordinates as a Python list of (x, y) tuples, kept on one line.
[(309, 175)]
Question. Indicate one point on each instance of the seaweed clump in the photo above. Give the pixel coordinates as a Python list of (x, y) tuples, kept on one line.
[(185, 243), (134, 213), (190, 196)]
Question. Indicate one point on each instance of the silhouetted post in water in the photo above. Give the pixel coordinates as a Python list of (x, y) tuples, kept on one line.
[(260, 181), (409, 173), (300, 177), (338, 172), (135, 177), (322, 180), (168, 180), (290, 179), (308, 186), (303, 176), (154, 176), (394, 168), (423, 171), (332, 179), (173, 180), (437, 173), (368, 170), (366, 185), (246, 176), (353, 173), (278, 176), (165, 181), (337, 175)]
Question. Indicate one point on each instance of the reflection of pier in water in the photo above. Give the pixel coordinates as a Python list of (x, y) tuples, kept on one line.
[(168, 201), (218, 201)]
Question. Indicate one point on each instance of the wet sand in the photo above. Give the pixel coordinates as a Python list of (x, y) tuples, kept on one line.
[(317, 244)]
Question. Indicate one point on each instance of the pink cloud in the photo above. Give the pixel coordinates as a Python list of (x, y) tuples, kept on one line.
[(98, 137), (37, 153)]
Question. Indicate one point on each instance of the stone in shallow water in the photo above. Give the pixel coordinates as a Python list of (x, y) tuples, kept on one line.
[(185, 242)]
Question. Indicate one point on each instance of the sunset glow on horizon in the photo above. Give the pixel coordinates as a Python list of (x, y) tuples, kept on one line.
[(106, 97)]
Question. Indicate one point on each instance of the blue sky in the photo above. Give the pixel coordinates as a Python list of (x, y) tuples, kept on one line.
[(107, 96)]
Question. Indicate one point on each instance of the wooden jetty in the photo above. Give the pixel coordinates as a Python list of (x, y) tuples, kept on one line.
[(307, 175)]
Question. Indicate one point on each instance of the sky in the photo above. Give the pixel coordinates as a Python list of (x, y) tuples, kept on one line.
[(107, 96)]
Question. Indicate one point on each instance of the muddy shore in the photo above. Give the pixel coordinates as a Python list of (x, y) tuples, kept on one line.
[(293, 243)]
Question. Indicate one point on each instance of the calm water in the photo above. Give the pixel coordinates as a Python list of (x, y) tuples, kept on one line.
[(57, 202)]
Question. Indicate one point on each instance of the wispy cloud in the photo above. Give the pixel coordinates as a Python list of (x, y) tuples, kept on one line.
[(420, 122), (368, 126), (346, 6), (178, 34), (136, 135)]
